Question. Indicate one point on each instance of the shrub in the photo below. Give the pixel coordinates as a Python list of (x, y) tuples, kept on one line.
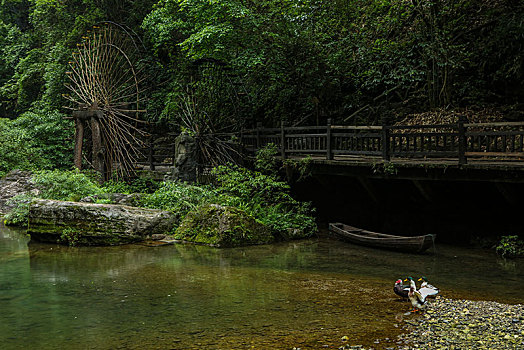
[(266, 161), (17, 150), (261, 196), (70, 236), (511, 247), (51, 137), (177, 197), (71, 185), (18, 215), (35, 141), (138, 185), (265, 198), (251, 185)]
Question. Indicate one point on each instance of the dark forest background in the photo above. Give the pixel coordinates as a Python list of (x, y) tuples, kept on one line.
[(228, 64)]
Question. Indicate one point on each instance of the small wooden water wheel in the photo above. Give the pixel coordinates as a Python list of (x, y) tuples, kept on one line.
[(106, 96), (214, 105)]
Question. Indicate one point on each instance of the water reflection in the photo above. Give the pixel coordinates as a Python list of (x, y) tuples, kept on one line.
[(306, 294)]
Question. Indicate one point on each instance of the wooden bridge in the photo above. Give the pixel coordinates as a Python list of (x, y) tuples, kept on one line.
[(459, 143), (448, 179), (333, 149)]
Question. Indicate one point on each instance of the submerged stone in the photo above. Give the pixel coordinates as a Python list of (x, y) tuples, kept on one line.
[(76, 223), (222, 226)]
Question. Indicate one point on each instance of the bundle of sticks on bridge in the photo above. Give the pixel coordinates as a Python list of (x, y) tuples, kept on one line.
[(444, 117)]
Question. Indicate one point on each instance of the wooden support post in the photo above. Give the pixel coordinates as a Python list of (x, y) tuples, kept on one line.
[(282, 140), (462, 140), (329, 151), (79, 141), (385, 141), (98, 152)]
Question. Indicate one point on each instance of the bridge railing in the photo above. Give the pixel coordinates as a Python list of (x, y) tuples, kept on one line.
[(488, 141), (157, 150), (501, 140), (495, 139), (430, 141)]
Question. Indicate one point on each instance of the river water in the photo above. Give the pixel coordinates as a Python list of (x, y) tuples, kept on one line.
[(306, 294)]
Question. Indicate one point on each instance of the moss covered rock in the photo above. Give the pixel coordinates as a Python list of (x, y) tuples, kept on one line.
[(76, 223), (222, 226), (15, 183)]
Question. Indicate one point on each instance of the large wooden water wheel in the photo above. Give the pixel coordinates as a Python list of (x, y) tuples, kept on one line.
[(106, 96)]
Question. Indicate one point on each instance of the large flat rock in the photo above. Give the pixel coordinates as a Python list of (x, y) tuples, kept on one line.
[(77, 223)]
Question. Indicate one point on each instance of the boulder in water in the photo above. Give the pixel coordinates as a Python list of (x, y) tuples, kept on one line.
[(222, 226), (77, 223)]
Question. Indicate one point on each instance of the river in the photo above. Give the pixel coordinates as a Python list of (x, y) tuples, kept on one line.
[(306, 294)]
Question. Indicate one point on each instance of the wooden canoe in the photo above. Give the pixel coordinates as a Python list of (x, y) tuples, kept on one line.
[(355, 235)]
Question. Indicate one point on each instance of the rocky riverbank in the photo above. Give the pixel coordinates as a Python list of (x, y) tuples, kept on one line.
[(466, 324), (15, 183), (461, 324)]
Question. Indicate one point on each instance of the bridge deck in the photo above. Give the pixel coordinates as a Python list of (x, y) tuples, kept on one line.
[(487, 163), (439, 169)]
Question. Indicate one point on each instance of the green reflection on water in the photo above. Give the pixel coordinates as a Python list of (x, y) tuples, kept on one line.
[(306, 294)]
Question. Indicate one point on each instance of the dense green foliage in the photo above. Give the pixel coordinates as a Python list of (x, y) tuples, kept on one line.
[(178, 197), (19, 214), (15, 152), (262, 196), (65, 185), (136, 185), (231, 63), (266, 198), (53, 184), (265, 160), (35, 141)]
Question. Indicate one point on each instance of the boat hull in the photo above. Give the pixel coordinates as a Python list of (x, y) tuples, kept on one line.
[(417, 244)]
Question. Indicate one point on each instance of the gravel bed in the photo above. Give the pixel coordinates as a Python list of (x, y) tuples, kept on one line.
[(460, 324), (466, 324)]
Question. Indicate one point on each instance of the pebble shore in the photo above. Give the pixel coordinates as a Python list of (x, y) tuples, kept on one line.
[(466, 324), (461, 324)]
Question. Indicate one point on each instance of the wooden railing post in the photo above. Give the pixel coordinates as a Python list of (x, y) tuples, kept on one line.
[(329, 152), (462, 140), (385, 140), (282, 140)]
